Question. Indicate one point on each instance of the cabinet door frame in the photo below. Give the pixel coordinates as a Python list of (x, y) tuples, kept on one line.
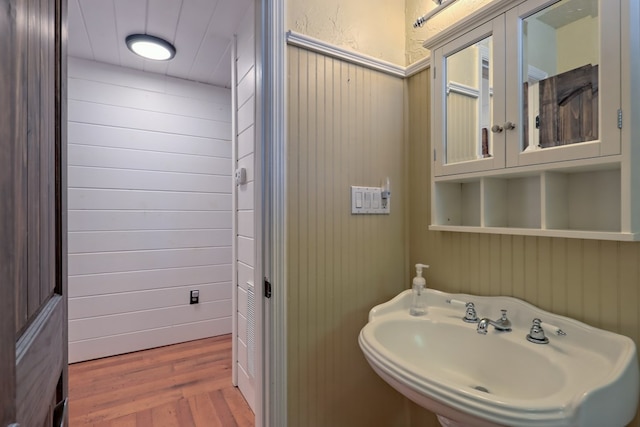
[(496, 29), (609, 92)]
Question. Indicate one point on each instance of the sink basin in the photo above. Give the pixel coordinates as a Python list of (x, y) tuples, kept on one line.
[(587, 378)]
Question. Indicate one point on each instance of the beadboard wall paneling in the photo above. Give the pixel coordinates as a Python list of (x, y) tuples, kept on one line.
[(245, 257), (149, 170), (596, 282), (345, 127), (464, 128)]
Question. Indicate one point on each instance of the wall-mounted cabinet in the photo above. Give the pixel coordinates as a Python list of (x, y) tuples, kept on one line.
[(527, 120), (564, 202)]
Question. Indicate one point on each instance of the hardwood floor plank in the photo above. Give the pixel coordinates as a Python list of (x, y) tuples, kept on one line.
[(124, 406), (239, 407), (204, 414), (123, 363), (91, 386), (156, 386), (185, 418), (165, 415), (126, 421), (143, 418), (182, 385), (202, 387), (203, 360), (222, 409)]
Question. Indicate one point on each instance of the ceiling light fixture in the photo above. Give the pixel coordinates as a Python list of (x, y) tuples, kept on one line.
[(150, 47)]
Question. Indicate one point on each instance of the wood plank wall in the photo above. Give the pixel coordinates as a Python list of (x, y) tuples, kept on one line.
[(149, 210), (35, 121), (597, 282), (36, 139), (10, 157), (245, 243), (345, 127), (30, 206)]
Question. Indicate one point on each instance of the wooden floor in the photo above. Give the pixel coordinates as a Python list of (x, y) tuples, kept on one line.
[(182, 385)]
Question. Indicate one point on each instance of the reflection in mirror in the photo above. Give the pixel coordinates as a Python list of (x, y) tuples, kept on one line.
[(469, 80), (560, 75)]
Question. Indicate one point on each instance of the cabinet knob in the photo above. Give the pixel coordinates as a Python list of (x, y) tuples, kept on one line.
[(509, 125), (496, 128)]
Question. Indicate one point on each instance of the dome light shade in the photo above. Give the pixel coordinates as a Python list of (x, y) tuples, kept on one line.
[(150, 47)]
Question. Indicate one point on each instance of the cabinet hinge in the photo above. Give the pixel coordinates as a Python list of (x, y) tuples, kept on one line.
[(434, 72), (267, 288), (434, 154), (620, 118)]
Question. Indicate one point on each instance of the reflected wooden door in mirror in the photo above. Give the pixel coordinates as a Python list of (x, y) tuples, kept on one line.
[(569, 107)]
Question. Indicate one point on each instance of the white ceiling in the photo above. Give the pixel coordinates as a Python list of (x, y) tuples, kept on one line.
[(201, 31)]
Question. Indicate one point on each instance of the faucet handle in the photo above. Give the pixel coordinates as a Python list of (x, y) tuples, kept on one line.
[(536, 334), (470, 315), (555, 329), (456, 302)]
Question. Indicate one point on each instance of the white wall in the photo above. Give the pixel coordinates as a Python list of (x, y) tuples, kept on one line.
[(149, 210), (245, 243), (415, 37), (372, 27)]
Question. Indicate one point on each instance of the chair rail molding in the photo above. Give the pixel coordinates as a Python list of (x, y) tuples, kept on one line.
[(328, 49)]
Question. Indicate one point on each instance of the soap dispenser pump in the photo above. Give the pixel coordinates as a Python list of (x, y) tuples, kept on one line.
[(418, 303)]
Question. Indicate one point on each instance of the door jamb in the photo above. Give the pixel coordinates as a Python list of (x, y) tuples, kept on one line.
[(271, 126)]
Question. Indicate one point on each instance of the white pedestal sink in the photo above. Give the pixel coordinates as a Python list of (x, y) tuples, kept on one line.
[(588, 378)]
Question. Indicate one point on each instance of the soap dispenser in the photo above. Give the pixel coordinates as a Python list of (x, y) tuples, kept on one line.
[(418, 302)]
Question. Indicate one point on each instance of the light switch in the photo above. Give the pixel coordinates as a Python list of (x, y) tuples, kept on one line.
[(359, 199), (376, 201), (367, 200)]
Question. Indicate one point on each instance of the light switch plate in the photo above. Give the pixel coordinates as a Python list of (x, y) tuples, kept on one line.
[(368, 201)]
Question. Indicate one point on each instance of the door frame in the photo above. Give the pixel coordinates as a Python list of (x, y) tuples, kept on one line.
[(271, 150), (270, 213)]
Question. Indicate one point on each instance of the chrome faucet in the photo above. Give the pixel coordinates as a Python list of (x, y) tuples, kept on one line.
[(470, 315), (537, 336), (503, 324)]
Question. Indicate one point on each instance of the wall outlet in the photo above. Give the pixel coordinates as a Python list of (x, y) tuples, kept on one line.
[(194, 297)]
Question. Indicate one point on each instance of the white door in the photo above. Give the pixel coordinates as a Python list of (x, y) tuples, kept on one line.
[(246, 293)]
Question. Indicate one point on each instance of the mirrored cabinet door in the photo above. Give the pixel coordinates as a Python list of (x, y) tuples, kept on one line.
[(468, 86), (563, 92), (469, 75)]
